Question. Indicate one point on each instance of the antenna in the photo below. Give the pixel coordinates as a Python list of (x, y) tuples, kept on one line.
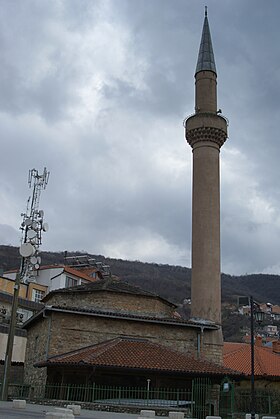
[(32, 226)]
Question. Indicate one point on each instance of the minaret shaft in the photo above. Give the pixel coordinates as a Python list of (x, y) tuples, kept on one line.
[(206, 92), (206, 284)]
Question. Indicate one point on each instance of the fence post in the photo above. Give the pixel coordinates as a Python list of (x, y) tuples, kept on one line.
[(120, 395), (93, 393)]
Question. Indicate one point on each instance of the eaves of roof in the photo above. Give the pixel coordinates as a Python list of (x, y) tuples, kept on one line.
[(136, 354), (4, 328), (22, 302), (78, 273), (119, 315)]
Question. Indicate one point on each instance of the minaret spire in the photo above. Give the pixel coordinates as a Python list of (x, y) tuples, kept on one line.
[(206, 59)]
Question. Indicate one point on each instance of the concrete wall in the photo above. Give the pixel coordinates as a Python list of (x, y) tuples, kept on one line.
[(16, 373), (18, 348), (7, 285)]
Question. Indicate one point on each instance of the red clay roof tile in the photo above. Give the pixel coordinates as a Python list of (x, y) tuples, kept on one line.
[(136, 354), (238, 357)]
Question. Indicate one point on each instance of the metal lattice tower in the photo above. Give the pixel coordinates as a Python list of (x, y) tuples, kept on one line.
[(32, 226)]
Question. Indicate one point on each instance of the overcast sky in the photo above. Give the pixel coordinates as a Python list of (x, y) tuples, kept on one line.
[(97, 92)]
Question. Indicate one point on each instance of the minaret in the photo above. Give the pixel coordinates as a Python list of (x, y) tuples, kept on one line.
[(206, 132)]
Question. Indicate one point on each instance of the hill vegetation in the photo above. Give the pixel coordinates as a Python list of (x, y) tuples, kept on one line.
[(173, 283)]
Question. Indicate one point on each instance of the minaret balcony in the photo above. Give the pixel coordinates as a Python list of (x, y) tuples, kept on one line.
[(204, 126)]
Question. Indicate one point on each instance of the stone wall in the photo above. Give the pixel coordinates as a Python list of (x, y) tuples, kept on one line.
[(62, 332), (72, 331), (38, 338), (114, 302)]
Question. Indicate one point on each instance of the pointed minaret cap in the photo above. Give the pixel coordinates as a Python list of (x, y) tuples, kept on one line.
[(206, 59)]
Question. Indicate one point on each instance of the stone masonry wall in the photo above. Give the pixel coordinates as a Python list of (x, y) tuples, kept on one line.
[(114, 302), (63, 332), (72, 331), (36, 350)]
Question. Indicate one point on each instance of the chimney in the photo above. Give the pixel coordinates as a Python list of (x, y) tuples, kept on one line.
[(258, 341), (276, 346)]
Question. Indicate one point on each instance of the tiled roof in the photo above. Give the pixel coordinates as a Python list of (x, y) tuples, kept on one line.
[(119, 315), (111, 284), (238, 357), (275, 310), (43, 267), (135, 353), (78, 273), (64, 268)]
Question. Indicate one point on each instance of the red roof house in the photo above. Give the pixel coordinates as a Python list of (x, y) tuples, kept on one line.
[(237, 356)]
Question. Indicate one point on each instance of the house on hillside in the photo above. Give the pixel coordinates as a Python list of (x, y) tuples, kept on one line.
[(275, 312), (271, 330), (53, 277), (267, 363), (107, 330), (27, 306)]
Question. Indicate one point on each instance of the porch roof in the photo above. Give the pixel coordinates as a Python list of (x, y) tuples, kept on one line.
[(133, 353)]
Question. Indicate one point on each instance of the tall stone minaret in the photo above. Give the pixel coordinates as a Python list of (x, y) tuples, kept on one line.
[(206, 132)]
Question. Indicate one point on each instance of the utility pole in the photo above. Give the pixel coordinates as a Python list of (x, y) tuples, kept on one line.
[(32, 227)]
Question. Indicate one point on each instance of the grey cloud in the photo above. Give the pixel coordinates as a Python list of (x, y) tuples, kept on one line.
[(97, 91)]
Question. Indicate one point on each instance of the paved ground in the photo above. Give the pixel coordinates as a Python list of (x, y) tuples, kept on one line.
[(34, 411)]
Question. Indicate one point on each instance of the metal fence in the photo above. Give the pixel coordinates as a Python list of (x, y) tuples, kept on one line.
[(266, 401), (136, 396), (196, 401)]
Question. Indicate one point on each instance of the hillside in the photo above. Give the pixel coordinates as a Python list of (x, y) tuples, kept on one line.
[(171, 282), (174, 284)]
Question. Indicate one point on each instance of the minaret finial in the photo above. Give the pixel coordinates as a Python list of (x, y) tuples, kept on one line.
[(205, 11)]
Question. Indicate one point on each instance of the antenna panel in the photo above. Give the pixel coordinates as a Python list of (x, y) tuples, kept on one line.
[(26, 250)]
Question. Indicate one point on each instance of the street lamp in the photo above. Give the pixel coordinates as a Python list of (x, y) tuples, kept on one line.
[(256, 313)]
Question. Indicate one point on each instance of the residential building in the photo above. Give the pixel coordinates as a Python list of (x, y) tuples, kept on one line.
[(271, 330), (28, 304), (53, 277), (237, 356)]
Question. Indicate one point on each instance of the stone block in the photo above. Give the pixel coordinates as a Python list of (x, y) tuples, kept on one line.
[(269, 417), (147, 414), (59, 415), (19, 404), (176, 415), (62, 410), (248, 416), (76, 409), (213, 417)]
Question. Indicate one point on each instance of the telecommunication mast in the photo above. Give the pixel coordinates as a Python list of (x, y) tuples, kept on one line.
[(32, 226)]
